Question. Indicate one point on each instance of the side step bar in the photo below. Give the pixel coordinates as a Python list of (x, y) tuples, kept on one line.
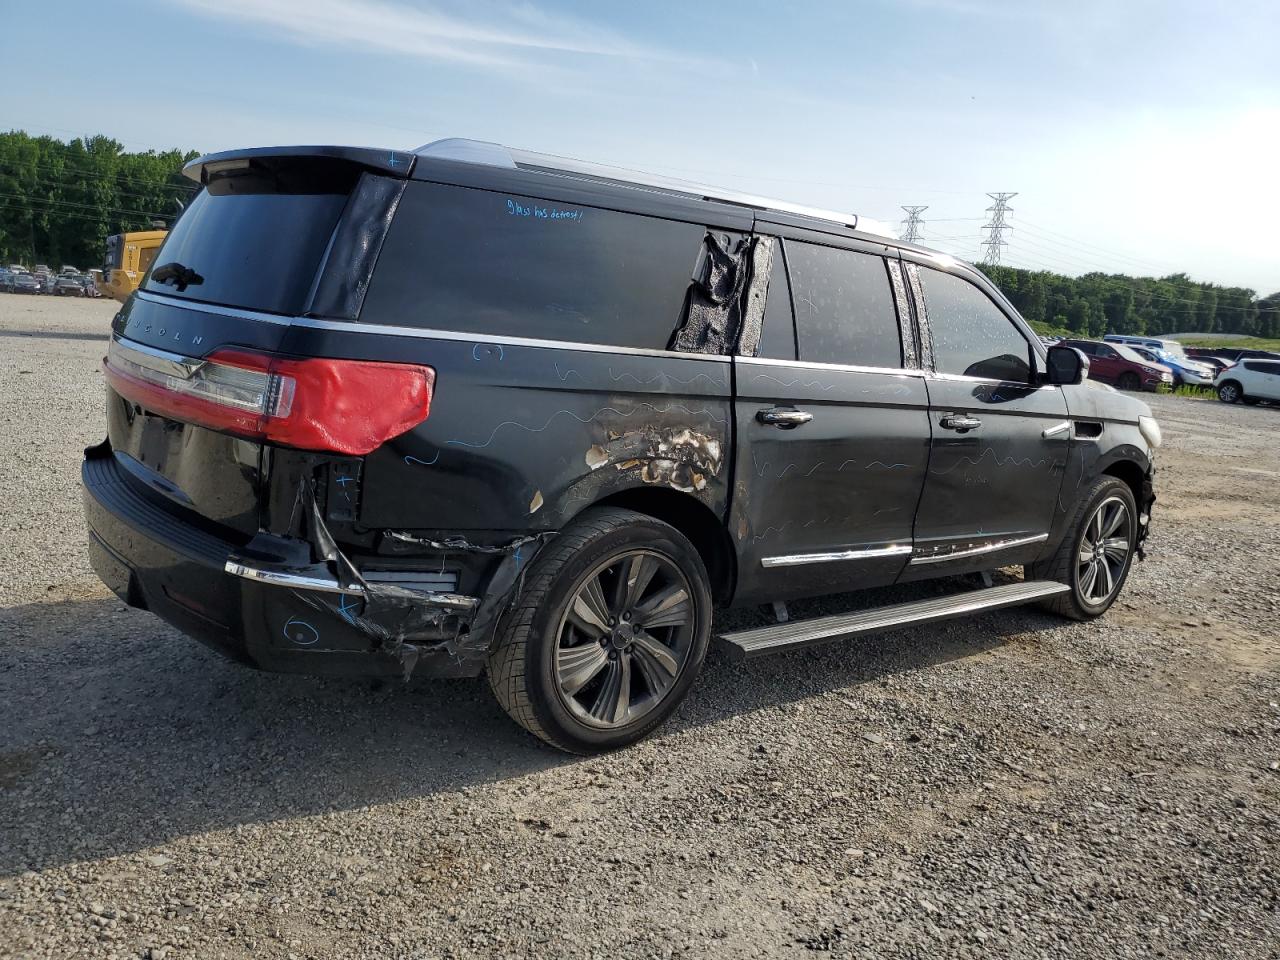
[(748, 644)]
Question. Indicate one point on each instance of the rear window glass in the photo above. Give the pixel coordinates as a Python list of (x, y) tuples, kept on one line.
[(478, 261), (844, 306), (254, 239)]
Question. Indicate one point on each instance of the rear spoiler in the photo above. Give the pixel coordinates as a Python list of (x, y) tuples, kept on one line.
[(397, 163)]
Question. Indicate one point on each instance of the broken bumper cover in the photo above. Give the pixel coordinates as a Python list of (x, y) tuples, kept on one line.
[(260, 609), (1145, 509)]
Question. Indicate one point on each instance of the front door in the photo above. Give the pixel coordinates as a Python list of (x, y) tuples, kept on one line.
[(832, 430), (1000, 441)]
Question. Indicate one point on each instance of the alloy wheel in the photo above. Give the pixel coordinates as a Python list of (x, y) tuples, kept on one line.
[(1104, 551), (1228, 393), (624, 638)]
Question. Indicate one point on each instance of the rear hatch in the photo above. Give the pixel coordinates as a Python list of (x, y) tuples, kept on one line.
[(274, 235)]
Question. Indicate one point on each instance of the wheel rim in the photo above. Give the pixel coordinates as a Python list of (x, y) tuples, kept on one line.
[(1104, 551), (1228, 394), (624, 638)]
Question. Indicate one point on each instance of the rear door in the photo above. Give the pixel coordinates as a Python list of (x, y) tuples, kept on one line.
[(1000, 440), (833, 430)]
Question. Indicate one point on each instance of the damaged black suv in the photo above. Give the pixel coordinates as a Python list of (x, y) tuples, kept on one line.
[(469, 409)]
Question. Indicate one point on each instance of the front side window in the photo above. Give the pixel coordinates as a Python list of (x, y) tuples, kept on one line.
[(971, 335), (844, 306), (485, 262)]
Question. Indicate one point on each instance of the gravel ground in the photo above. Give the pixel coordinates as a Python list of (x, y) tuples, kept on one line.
[(1008, 786)]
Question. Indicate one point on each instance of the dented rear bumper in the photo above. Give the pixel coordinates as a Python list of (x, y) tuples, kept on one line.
[(271, 601)]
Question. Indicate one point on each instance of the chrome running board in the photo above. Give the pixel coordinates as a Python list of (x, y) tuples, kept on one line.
[(778, 638)]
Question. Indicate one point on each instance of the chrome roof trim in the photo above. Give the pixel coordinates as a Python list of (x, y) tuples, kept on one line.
[(495, 154)]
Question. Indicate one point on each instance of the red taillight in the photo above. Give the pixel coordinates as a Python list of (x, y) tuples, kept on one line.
[(347, 406)]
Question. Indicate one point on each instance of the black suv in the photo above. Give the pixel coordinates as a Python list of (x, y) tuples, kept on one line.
[(470, 409)]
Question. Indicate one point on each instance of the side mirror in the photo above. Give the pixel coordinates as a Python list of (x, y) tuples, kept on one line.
[(1066, 366)]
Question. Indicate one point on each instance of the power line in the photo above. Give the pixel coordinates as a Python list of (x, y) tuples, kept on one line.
[(21, 167), (50, 185), (1140, 287), (996, 225), (911, 226), (1067, 240), (86, 206)]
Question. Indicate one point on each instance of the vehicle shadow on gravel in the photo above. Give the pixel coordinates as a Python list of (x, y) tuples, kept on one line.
[(119, 734)]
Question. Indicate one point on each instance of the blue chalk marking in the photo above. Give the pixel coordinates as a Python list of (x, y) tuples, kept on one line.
[(300, 632), (343, 481), (345, 608), (425, 463), (475, 350), (517, 209), (394, 160), (517, 555)]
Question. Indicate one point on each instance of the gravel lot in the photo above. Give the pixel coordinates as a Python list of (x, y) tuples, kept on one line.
[(1009, 786)]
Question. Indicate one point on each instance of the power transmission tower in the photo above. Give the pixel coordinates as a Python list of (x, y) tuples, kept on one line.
[(995, 240), (911, 226)]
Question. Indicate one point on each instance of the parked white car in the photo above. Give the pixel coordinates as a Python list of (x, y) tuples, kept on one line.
[(1249, 381)]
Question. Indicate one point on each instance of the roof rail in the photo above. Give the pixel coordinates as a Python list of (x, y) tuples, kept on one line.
[(495, 154)]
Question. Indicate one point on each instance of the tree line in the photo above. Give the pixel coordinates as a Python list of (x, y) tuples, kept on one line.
[(59, 201), (1100, 303)]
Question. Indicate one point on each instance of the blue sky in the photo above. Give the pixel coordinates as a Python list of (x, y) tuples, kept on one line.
[(1139, 135)]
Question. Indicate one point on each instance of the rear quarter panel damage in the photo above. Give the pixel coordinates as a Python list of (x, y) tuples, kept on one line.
[(522, 438)]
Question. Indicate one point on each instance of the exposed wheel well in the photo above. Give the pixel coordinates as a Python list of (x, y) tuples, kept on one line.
[(696, 521), (1131, 474)]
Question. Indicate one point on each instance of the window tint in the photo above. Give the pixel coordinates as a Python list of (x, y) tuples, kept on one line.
[(971, 336), (250, 244), (1263, 366), (1089, 349), (778, 337), (486, 262), (844, 306)]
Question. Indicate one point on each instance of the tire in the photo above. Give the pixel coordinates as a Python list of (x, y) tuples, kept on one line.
[(1229, 391), (635, 676), (1086, 599), (1129, 381)]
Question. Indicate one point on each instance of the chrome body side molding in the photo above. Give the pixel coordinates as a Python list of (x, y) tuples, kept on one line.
[(870, 553), (994, 546)]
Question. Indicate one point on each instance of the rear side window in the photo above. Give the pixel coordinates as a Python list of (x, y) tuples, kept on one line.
[(477, 261), (971, 335), (844, 306), (254, 237)]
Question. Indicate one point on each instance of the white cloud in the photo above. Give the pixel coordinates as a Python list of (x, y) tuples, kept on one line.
[(486, 35)]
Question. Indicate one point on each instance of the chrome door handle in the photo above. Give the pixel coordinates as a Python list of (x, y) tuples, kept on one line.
[(785, 417), (953, 421)]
